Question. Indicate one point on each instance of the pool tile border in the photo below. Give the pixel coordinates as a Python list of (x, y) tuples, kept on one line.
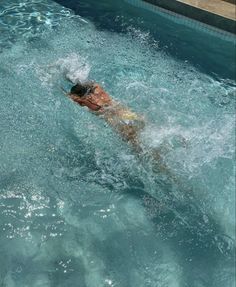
[(181, 19)]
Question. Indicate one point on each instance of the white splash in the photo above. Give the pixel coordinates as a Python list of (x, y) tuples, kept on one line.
[(74, 68)]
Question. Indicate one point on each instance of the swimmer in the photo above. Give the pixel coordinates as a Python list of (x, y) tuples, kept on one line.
[(128, 124), (122, 119)]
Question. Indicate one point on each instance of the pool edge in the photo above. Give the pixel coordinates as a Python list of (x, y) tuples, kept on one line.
[(195, 13)]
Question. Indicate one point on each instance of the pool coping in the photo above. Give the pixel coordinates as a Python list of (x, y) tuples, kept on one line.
[(196, 13)]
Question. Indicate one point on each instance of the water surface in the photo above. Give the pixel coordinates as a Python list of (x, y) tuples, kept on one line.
[(78, 207)]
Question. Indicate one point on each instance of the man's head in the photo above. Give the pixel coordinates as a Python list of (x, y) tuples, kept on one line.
[(81, 89)]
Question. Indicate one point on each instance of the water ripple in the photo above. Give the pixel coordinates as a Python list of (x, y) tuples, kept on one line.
[(28, 19)]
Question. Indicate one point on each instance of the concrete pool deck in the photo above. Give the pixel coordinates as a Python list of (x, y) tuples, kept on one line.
[(217, 13)]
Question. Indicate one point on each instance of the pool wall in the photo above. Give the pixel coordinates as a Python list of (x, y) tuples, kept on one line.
[(204, 16), (186, 20)]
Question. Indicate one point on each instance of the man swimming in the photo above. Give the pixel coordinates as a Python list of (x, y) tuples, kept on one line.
[(130, 125), (122, 119)]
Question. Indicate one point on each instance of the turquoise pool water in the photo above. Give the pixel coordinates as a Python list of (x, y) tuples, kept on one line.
[(77, 206)]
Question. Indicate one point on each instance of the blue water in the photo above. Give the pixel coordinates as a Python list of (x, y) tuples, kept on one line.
[(77, 206)]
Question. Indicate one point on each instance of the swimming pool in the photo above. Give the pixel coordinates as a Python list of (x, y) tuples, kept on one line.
[(78, 207)]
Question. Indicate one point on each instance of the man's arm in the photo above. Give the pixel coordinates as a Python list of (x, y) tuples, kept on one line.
[(76, 99), (84, 102)]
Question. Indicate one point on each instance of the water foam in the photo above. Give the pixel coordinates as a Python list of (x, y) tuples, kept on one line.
[(73, 67)]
